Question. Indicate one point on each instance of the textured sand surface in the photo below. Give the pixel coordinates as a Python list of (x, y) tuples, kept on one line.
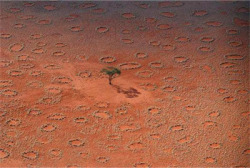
[(182, 98)]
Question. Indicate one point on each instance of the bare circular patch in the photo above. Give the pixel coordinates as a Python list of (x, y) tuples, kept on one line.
[(13, 122), (229, 99), (156, 64), (36, 73), (34, 111), (62, 80), (44, 22), (102, 29), (19, 26), (227, 64), (142, 164), (150, 20), (52, 66), (125, 31), (76, 29), (127, 41), (58, 53), (28, 4), (122, 110), (36, 36), (107, 59), (163, 26), (214, 23), (99, 11), (168, 47), (76, 142), (233, 43), (141, 55), (84, 74), (26, 66), (60, 45), (155, 43), (49, 100), (53, 90), (26, 17), (15, 73), (207, 39), (102, 159), (55, 153), (180, 59), (167, 88), (233, 32), (169, 79), (24, 58), (14, 10), (35, 84), (49, 7), (142, 27), (176, 128), (82, 108), (145, 74), (16, 47), (6, 83), (38, 51), (200, 13), (31, 155), (48, 128), (102, 114), (129, 65), (5, 35), (56, 116), (86, 5), (82, 57), (8, 93), (102, 104), (154, 110), (148, 86), (205, 49), (168, 14), (80, 120), (128, 15), (182, 39), (210, 160), (136, 146), (234, 57), (5, 63)]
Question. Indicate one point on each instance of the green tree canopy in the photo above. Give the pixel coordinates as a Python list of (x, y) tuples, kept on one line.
[(111, 71)]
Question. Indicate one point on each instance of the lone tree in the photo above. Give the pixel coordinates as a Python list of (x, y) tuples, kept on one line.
[(111, 71)]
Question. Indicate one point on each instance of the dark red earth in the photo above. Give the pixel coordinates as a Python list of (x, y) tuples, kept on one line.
[(181, 100)]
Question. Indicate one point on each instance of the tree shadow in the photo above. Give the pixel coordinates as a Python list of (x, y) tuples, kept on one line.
[(129, 93)]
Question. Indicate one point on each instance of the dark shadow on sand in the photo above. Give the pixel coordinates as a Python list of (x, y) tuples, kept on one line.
[(130, 92)]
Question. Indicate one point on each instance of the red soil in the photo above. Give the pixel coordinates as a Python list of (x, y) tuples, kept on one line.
[(181, 100)]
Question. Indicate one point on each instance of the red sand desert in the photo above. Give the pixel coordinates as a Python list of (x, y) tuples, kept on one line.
[(181, 100)]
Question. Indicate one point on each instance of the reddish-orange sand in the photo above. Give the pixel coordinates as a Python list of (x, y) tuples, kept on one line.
[(181, 100)]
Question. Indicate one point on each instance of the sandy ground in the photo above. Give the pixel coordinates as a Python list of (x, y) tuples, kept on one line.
[(181, 100)]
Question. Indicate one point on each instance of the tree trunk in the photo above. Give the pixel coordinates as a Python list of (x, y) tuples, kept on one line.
[(110, 78)]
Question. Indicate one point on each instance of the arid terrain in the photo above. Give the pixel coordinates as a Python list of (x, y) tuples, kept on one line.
[(181, 100)]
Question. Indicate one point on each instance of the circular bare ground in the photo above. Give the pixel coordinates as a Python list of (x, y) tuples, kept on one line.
[(107, 59), (145, 74), (128, 15), (102, 29), (84, 74), (5, 35), (156, 64), (16, 47), (130, 65), (141, 55), (76, 29)]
